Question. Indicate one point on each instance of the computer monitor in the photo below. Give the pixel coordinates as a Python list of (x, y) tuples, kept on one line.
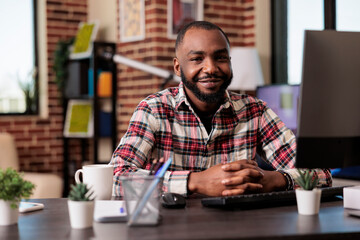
[(329, 111), (283, 100)]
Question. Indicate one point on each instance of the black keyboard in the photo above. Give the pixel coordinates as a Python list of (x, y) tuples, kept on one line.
[(263, 200)]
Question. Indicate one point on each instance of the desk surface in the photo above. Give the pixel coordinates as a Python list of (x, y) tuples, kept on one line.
[(194, 222)]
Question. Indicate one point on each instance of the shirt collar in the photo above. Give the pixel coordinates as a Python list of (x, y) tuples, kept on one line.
[(181, 99)]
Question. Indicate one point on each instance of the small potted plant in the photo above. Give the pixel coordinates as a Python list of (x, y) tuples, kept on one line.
[(81, 206), (308, 196), (12, 189)]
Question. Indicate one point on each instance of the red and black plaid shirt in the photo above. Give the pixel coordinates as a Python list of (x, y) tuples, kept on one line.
[(164, 125)]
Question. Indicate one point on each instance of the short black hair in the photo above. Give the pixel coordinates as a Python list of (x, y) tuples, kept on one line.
[(197, 24)]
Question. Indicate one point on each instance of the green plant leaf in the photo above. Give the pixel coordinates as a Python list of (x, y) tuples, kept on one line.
[(307, 179), (61, 58), (81, 192), (13, 187)]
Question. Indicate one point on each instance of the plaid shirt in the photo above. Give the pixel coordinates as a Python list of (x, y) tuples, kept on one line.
[(165, 125)]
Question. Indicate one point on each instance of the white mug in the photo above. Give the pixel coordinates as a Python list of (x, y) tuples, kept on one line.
[(98, 177)]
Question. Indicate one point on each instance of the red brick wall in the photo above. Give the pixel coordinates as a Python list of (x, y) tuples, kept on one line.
[(39, 141), (235, 17)]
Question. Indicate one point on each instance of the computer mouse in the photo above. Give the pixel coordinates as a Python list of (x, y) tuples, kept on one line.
[(172, 200)]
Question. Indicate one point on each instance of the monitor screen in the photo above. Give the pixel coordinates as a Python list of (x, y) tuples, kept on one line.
[(328, 134), (283, 100)]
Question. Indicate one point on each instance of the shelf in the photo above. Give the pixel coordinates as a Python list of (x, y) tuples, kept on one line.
[(87, 77)]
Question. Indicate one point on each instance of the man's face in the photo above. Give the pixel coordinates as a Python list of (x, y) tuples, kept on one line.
[(203, 63)]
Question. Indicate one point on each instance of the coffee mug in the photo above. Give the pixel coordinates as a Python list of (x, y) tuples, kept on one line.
[(99, 178)]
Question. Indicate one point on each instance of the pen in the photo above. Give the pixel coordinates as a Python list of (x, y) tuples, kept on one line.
[(161, 172), (141, 204), (158, 166), (152, 166)]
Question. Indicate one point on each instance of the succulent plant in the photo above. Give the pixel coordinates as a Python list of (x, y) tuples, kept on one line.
[(307, 179), (81, 192)]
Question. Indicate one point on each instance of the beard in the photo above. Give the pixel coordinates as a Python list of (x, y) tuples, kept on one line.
[(207, 97)]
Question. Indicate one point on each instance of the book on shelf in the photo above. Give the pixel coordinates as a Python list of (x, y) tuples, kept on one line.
[(79, 120), (83, 44)]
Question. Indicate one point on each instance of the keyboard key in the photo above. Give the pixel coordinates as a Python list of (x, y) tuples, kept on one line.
[(263, 200)]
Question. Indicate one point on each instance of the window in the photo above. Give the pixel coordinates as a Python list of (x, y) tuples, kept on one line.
[(347, 15), (18, 72), (300, 17), (291, 17)]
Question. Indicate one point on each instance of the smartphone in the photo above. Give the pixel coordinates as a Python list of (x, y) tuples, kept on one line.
[(30, 206)]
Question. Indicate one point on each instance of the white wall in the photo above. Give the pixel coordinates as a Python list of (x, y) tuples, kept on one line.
[(105, 12), (263, 36)]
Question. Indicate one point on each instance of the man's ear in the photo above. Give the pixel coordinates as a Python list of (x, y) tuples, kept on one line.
[(176, 67)]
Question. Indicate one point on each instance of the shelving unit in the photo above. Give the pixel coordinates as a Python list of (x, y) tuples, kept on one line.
[(93, 78)]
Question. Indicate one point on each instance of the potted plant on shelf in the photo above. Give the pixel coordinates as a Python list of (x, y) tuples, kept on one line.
[(12, 189), (81, 206), (308, 196), (61, 60)]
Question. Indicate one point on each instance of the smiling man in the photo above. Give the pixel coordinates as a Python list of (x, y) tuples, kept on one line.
[(212, 135)]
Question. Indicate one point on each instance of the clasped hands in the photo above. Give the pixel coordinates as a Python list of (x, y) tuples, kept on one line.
[(235, 178)]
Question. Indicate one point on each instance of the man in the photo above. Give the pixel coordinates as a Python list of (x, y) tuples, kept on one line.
[(211, 134)]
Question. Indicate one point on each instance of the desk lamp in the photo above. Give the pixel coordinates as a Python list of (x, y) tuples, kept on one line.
[(144, 67), (247, 74)]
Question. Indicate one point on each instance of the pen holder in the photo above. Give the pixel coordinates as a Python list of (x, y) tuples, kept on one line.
[(142, 199)]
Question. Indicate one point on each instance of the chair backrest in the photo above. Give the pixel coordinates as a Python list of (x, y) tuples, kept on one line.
[(8, 152)]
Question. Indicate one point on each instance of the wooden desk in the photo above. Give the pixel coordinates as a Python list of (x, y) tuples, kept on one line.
[(194, 222)]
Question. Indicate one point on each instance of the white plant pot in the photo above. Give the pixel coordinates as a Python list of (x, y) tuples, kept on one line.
[(308, 202), (81, 213), (8, 215)]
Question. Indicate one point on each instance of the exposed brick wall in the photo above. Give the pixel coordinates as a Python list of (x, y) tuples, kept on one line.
[(39, 141), (63, 18), (235, 17)]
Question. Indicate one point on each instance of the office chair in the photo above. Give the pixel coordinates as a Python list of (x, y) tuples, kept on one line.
[(47, 185)]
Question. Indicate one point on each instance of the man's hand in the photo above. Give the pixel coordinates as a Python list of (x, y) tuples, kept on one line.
[(228, 179), (270, 180), (273, 181)]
